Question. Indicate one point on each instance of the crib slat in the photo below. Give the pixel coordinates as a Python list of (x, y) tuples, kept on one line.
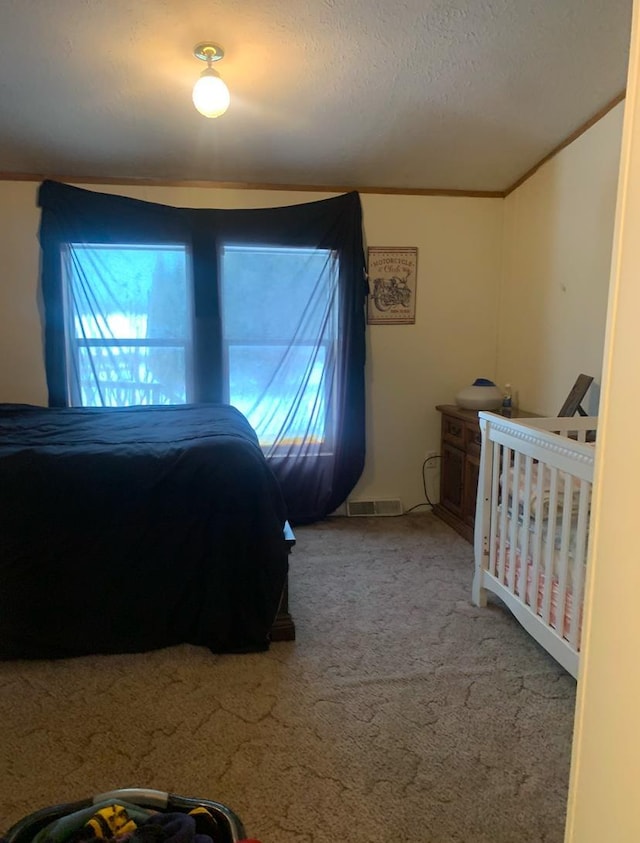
[(495, 502), (513, 514), (536, 552), (504, 506), (561, 575), (579, 563), (526, 532), (550, 527)]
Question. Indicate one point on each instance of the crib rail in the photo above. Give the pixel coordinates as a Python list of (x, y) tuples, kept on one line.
[(532, 521)]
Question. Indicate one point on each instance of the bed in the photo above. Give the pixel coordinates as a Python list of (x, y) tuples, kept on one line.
[(131, 529), (532, 524)]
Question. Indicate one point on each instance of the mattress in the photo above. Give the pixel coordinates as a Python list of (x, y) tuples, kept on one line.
[(135, 528), (552, 563), (560, 618)]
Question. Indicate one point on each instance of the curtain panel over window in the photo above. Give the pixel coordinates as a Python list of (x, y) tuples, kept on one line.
[(260, 308)]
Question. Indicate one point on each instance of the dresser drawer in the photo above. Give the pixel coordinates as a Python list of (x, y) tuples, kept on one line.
[(472, 439), (453, 431)]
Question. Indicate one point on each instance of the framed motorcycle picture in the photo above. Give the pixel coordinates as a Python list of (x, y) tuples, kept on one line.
[(392, 275)]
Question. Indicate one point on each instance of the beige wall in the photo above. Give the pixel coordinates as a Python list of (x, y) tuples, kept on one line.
[(603, 799), (558, 234), (410, 368), (512, 290), (21, 361)]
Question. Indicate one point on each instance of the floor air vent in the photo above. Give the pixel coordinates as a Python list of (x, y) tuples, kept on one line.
[(379, 507)]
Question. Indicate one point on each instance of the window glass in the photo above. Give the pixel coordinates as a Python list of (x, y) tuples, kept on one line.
[(129, 314), (290, 406), (278, 316)]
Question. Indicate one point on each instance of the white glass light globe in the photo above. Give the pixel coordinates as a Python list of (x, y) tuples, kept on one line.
[(210, 94)]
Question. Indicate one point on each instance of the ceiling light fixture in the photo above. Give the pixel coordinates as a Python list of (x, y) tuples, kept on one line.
[(210, 94)]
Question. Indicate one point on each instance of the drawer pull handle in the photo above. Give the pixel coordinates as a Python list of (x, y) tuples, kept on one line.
[(454, 430)]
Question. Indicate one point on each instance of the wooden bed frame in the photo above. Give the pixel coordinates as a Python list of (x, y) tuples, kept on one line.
[(283, 628), (532, 525)]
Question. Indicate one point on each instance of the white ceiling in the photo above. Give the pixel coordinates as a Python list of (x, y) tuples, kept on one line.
[(413, 94)]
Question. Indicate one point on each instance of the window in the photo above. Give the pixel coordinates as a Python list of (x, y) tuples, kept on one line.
[(260, 307), (129, 333), (128, 324), (279, 322)]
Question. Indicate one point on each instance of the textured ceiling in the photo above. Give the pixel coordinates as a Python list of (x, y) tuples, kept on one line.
[(413, 94)]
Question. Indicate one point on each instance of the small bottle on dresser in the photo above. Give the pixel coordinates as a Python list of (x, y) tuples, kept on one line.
[(507, 400)]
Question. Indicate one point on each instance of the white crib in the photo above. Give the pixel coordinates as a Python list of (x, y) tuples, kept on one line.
[(532, 524)]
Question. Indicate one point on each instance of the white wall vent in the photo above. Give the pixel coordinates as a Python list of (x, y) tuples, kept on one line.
[(375, 507)]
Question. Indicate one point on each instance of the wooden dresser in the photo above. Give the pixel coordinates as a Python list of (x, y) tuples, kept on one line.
[(460, 451)]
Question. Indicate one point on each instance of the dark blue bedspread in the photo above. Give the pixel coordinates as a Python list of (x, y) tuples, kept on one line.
[(125, 530)]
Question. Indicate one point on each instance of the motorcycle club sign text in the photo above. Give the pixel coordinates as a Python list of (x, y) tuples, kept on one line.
[(392, 285)]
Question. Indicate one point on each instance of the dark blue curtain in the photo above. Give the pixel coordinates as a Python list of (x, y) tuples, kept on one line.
[(315, 478)]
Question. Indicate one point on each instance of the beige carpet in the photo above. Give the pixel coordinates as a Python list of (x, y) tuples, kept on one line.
[(401, 713)]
